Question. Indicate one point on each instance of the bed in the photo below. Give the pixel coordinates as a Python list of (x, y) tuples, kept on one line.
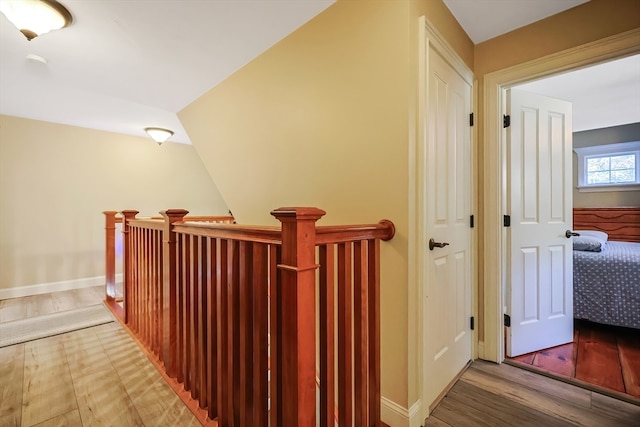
[(606, 266)]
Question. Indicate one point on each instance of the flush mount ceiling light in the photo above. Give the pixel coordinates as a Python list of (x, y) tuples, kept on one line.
[(159, 135), (35, 17)]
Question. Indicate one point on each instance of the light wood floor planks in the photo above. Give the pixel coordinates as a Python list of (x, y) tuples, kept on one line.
[(38, 305), (488, 394), (92, 377), (99, 376), (11, 377)]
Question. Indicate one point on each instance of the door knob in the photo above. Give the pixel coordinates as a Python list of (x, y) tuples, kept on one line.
[(570, 233), (434, 244)]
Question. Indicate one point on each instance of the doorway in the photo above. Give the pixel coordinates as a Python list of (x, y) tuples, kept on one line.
[(591, 353), (495, 159), (494, 162)]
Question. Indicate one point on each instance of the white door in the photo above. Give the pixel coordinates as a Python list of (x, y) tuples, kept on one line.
[(447, 221), (539, 201)]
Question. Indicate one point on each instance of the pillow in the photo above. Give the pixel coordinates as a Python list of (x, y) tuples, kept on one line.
[(594, 233), (588, 243)]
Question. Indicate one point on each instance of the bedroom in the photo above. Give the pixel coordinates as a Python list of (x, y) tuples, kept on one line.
[(600, 118)]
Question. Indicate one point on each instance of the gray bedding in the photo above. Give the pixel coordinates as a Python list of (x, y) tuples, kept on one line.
[(606, 285)]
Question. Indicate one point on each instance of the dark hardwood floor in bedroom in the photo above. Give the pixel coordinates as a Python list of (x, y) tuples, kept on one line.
[(605, 357)]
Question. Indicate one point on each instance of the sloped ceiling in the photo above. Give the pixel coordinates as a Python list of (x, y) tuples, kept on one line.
[(126, 65), (122, 66)]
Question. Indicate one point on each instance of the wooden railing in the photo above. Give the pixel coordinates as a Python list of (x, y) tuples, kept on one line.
[(243, 317)]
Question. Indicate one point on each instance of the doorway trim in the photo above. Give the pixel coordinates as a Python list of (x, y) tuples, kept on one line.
[(494, 166)]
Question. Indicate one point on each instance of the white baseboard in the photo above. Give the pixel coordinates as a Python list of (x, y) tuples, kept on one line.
[(395, 415), (416, 419), (45, 288), (392, 414)]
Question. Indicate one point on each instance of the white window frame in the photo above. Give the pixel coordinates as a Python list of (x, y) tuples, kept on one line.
[(632, 147)]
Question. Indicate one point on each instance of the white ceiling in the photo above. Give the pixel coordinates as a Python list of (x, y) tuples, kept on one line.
[(126, 65), (603, 96), (486, 19)]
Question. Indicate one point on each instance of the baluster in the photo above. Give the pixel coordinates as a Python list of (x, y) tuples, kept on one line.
[(127, 260), (180, 312), (373, 263), (245, 335), (360, 358), (186, 311), (275, 361), (193, 317), (170, 299), (110, 254), (158, 319), (225, 385), (327, 339), (260, 334), (345, 377), (233, 268), (202, 297), (212, 329)]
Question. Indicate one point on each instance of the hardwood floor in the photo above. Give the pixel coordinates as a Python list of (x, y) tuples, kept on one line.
[(99, 376), (605, 357), (494, 395), (38, 305), (94, 376)]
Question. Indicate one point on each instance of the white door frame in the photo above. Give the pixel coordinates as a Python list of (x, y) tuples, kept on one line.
[(429, 36), (494, 87)]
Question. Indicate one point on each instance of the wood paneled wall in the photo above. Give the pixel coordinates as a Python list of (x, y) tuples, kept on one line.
[(621, 224)]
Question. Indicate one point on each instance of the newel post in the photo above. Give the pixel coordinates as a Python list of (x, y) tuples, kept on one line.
[(169, 292), (110, 254), (128, 215), (297, 344)]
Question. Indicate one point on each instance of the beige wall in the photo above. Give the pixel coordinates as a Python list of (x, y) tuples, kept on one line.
[(322, 119), (589, 138), (56, 180), (586, 23)]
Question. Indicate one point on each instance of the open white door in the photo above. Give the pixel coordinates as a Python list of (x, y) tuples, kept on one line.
[(539, 202)]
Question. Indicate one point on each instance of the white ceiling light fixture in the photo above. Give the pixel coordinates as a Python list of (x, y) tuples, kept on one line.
[(36, 17), (159, 135)]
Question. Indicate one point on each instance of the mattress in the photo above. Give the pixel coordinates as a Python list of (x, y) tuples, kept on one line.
[(606, 284)]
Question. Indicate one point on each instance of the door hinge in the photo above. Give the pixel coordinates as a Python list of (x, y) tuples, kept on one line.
[(507, 320), (471, 119), (507, 220), (471, 221), (506, 121), (472, 323)]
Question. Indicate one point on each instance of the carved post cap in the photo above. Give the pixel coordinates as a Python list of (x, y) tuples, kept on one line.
[(110, 213), (293, 213), (130, 214), (174, 214)]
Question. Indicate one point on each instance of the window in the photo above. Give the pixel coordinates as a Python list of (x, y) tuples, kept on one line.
[(612, 167)]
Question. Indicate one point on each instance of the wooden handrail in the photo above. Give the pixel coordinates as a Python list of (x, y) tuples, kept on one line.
[(151, 224), (215, 219), (231, 231), (384, 230), (220, 304)]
